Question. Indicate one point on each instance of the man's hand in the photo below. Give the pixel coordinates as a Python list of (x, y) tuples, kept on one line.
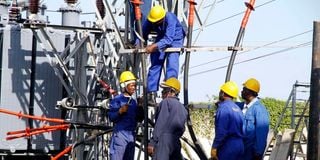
[(150, 150), (214, 155), (124, 109), (151, 48)]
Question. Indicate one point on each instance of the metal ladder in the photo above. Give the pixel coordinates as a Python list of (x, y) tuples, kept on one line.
[(296, 108)]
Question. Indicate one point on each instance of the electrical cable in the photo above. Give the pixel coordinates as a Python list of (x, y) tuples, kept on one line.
[(213, 4), (255, 48), (237, 14), (255, 58)]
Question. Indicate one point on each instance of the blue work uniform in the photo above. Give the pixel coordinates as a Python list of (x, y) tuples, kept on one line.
[(228, 131), (256, 128), (122, 143), (170, 33), (171, 116)]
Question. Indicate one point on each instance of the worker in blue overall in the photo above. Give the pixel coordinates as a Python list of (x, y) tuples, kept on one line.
[(228, 143), (256, 121), (170, 33), (124, 113), (170, 121)]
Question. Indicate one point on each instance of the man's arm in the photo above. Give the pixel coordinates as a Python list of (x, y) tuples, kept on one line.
[(262, 129), (221, 130), (117, 108), (167, 40), (114, 110)]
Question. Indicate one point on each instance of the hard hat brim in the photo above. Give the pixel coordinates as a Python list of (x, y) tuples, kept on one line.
[(154, 20), (163, 85)]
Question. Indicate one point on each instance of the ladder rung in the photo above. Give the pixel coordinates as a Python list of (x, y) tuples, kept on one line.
[(301, 99), (302, 84), (299, 142), (297, 107), (288, 124), (301, 155), (301, 107), (299, 115)]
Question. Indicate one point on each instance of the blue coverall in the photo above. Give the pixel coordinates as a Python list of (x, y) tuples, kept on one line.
[(256, 128), (171, 116), (122, 143), (228, 131), (170, 33)]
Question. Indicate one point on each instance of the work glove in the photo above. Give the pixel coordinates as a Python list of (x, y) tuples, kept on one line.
[(151, 48), (214, 155), (123, 109)]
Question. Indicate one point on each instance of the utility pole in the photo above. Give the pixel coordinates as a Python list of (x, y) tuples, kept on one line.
[(313, 131)]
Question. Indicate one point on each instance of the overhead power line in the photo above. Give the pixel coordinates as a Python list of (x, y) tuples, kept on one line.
[(213, 4), (255, 48), (248, 60), (224, 19)]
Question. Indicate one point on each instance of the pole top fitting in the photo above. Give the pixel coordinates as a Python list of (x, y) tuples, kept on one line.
[(249, 5)]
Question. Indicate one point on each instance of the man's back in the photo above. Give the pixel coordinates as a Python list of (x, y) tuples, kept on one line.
[(256, 128), (173, 114), (228, 130), (229, 120)]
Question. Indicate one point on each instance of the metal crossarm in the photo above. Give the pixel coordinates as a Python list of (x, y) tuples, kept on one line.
[(186, 49)]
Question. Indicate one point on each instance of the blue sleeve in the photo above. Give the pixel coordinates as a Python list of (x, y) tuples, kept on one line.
[(161, 121), (262, 129), (167, 39), (221, 130), (113, 113)]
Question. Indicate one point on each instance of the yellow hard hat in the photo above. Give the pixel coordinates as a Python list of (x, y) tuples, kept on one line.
[(230, 88), (172, 83), (252, 84), (156, 13), (127, 76)]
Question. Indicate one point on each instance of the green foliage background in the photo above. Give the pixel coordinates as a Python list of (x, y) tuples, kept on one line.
[(202, 120)]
